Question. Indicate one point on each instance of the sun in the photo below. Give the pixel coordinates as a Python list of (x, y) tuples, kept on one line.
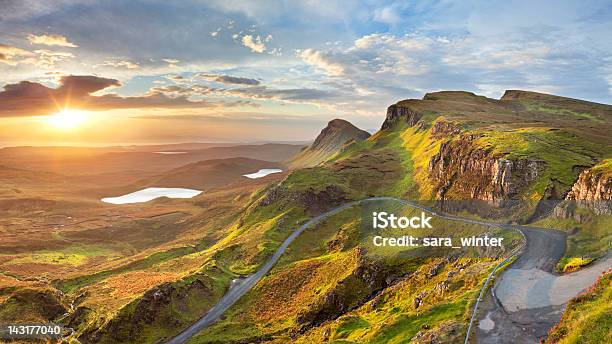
[(67, 119)]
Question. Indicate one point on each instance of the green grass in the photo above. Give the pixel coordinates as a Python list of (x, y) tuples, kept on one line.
[(188, 303), (560, 150), (589, 239), (75, 255), (569, 264), (351, 324), (587, 318), (314, 178), (605, 166), (71, 285), (398, 166), (404, 186), (563, 112), (407, 325)]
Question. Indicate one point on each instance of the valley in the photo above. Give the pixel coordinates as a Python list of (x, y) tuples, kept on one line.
[(269, 246)]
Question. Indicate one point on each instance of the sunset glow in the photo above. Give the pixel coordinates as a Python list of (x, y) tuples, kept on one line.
[(257, 71), (67, 119)]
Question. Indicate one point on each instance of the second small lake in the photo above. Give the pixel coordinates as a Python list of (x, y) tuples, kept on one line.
[(262, 173), (149, 194)]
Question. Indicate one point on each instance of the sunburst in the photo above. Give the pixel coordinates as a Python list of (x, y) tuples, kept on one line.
[(67, 119)]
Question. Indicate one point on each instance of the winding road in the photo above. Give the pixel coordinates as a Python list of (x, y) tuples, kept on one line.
[(543, 248), (530, 297)]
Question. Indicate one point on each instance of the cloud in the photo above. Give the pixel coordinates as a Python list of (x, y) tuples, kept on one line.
[(322, 61), (228, 79), (183, 90), (20, 9), (82, 85), (215, 34), (171, 62), (13, 55), (176, 78), (253, 91), (250, 117), (387, 15), (32, 98), (49, 58), (294, 94), (119, 64), (50, 39), (254, 43), (28, 98)]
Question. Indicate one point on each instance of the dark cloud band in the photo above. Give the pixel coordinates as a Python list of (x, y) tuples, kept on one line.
[(28, 98)]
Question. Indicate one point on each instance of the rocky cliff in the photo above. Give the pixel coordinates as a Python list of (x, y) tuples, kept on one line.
[(592, 190), (592, 185), (397, 114), (464, 170), (524, 146)]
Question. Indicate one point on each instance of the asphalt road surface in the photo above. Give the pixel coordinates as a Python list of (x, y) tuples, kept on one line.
[(530, 297)]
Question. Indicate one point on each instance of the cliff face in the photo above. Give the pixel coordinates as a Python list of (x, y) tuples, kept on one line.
[(592, 190), (395, 114), (461, 168), (592, 186)]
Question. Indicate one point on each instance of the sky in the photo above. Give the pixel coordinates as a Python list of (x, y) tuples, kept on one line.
[(107, 72)]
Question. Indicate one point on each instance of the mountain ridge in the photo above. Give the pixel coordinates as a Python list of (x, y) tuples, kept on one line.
[(212, 173), (330, 140)]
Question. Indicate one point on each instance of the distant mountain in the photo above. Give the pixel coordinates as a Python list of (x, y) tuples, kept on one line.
[(74, 160), (332, 138), (207, 174)]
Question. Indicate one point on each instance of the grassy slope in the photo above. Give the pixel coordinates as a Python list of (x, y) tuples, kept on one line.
[(392, 316), (104, 291), (313, 266), (271, 310), (588, 317)]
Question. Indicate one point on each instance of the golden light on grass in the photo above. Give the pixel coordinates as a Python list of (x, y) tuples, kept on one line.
[(67, 119)]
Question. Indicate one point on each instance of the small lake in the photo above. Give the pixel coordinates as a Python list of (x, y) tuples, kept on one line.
[(149, 194), (170, 153), (262, 173)]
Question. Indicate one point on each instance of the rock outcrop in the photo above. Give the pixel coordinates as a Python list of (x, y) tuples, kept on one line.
[(592, 186), (592, 190), (314, 201), (443, 128), (336, 133), (462, 168), (396, 114)]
